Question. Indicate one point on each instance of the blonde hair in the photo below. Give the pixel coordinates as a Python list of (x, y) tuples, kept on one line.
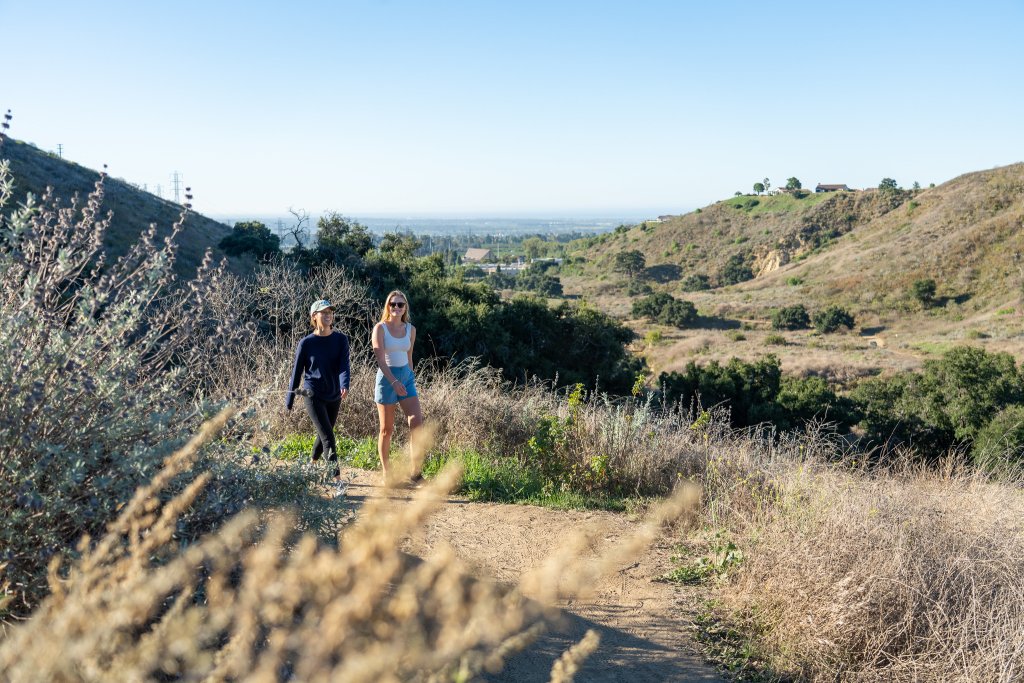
[(385, 315)]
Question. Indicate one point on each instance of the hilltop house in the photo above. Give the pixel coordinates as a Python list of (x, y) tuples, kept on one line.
[(478, 255), (831, 188)]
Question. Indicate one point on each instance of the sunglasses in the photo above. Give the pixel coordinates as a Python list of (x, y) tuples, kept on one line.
[(397, 304)]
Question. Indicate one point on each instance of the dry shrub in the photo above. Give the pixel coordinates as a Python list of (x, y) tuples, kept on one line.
[(257, 602), (913, 576)]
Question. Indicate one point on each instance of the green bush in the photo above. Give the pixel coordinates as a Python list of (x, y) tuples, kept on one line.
[(695, 283), (736, 269), (791, 318), (924, 291), (666, 309), (946, 405), (775, 340), (831, 318), (251, 237), (1001, 441)]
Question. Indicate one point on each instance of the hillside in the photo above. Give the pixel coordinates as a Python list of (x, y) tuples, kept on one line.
[(133, 209), (860, 250)]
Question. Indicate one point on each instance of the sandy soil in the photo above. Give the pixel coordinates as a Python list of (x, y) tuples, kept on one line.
[(644, 625)]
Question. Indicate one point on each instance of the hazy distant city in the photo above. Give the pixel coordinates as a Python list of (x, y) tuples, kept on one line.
[(457, 226)]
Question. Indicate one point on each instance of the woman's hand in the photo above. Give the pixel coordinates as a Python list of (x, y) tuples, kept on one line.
[(399, 388), (344, 393)]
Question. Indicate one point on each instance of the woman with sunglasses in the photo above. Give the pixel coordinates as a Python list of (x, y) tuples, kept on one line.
[(393, 339), (322, 369)]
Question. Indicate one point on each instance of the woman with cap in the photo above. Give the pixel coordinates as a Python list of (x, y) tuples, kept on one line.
[(393, 339), (321, 376)]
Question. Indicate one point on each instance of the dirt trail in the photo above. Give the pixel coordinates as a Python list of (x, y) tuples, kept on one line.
[(642, 623)]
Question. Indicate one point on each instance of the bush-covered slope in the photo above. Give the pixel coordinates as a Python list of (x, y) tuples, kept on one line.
[(133, 209)]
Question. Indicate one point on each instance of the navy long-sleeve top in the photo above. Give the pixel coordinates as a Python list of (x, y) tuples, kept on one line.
[(321, 366)]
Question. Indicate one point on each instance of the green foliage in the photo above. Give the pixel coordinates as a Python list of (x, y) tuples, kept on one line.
[(653, 337), (538, 281), (499, 280), (340, 241), (251, 237), (1000, 443), (831, 318), (695, 283), (806, 399), (736, 269), (631, 263), (791, 318), (947, 404), (775, 340), (924, 291), (638, 288), (888, 185), (794, 281), (666, 309), (758, 188), (793, 183), (747, 389), (723, 555)]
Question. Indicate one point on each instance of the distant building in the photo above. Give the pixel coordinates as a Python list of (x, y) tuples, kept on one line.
[(665, 218), (831, 188), (478, 255)]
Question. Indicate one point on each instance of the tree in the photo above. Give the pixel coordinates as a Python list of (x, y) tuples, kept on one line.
[(666, 309), (924, 291), (735, 270), (534, 247), (767, 185), (251, 237), (888, 185), (758, 188), (916, 186), (831, 318), (793, 184), (630, 262)]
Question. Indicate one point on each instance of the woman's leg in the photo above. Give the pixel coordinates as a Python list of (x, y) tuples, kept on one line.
[(318, 413), (413, 414), (386, 417)]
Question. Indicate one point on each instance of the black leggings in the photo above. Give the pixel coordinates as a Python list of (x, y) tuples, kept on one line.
[(324, 415)]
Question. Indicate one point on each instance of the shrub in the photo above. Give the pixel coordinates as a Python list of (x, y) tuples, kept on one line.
[(924, 291), (638, 288), (791, 318), (736, 270), (695, 283), (108, 366), (666, 309), (831, 318), (251, 237), (1001, 441), (775, 340)]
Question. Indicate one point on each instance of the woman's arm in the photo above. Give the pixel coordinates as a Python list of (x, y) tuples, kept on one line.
[(289, 396), (412, 342), (346, 366)]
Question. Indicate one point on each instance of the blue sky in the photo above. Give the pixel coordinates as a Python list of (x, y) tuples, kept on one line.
[(394, 107)]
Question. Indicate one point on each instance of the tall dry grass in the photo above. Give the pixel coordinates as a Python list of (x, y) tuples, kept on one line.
[(258, 602), (914, 575)]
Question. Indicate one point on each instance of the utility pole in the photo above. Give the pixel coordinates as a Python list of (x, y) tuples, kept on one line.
[(60, 150), (176, 181), (159, 191)]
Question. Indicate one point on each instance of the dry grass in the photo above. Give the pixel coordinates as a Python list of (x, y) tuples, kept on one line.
[(914, 576), (256, 602)]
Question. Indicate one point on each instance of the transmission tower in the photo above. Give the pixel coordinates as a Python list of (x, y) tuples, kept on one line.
[(176, 181)]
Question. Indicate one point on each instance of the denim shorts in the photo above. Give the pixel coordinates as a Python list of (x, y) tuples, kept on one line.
[(384, 393)]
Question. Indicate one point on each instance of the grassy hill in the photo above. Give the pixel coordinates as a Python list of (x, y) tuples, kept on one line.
[(133, 209), (861, 250)]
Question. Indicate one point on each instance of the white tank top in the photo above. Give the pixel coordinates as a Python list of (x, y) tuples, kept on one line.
[(396, 349)]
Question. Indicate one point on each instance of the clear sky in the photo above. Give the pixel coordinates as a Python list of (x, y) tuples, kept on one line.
[(513, 107)]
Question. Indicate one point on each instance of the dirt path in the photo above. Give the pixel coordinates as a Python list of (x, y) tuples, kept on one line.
[(642, 623)]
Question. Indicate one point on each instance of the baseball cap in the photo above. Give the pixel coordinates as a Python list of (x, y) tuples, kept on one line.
[(321, 305)]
